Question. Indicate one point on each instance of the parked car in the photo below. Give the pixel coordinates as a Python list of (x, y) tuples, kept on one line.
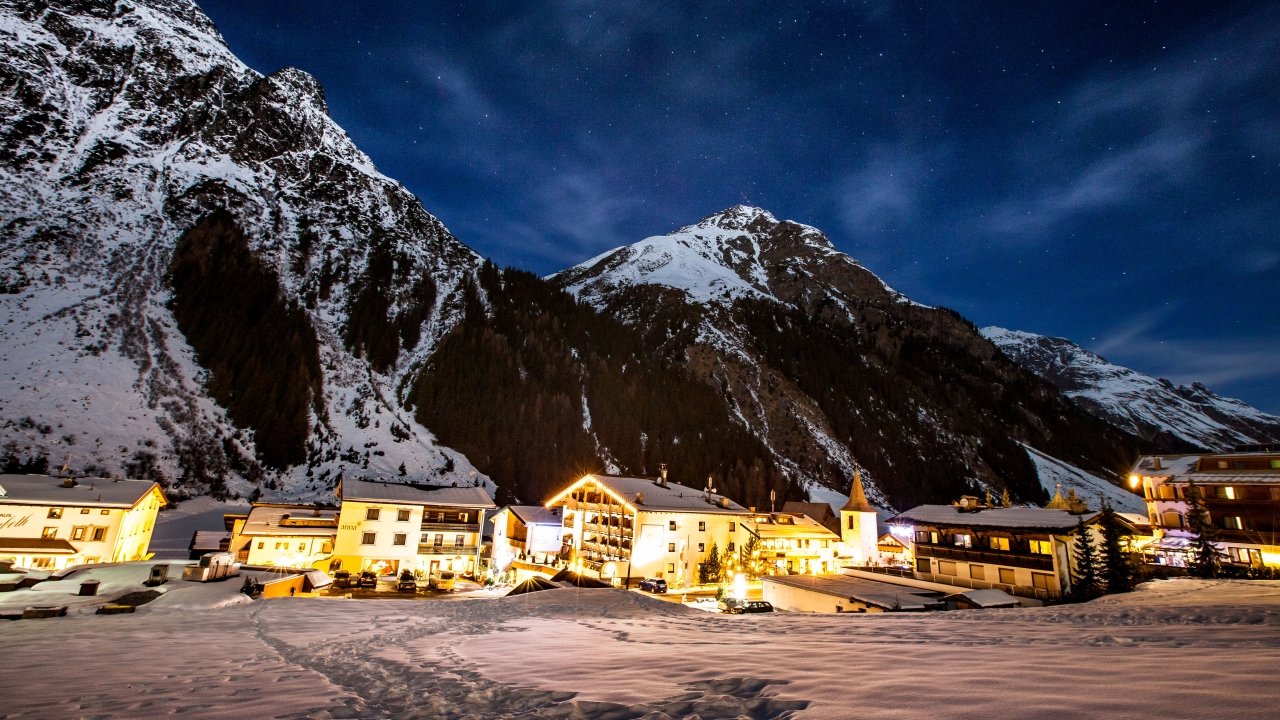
[(653, 585), (342, 579), (728, 604), (368, 579), (407, 582), (442, 581), (751, 606)]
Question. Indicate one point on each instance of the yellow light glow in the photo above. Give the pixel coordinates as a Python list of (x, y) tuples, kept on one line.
[(1133, 481)]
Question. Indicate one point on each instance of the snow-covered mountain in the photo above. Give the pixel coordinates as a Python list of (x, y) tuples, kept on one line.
[(1171, 417), (829, 366), (135, 147)]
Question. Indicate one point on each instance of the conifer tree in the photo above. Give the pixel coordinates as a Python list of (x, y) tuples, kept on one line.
[(1085, 585), (1118, 570), (747, 557), (711, 569), (1204, 550), (1005, 500)]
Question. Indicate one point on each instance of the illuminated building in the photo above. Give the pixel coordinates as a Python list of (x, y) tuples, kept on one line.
[(52, 523), (526, 538), (292, 536), (627, 528), (1240, 491), (388, 527), (1019, 550)]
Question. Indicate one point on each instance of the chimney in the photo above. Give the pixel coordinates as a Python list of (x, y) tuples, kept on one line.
[(1155, 463), (662, 475)]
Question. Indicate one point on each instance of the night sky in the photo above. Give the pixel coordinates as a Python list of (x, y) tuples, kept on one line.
[(1107, 172)]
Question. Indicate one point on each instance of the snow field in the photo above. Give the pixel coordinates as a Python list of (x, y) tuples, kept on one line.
[(1181, 648)]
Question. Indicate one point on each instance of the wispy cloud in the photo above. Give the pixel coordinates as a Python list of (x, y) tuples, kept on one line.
[(886, 189), (1131, 134), (1149, 342)]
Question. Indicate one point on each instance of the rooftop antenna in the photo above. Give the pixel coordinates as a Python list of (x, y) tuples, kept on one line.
[(773, 495)]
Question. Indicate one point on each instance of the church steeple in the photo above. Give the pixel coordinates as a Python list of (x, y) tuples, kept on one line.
[(858, 524), (857, 496)]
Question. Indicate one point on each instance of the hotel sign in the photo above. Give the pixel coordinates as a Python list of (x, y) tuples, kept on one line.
[(8, 521)]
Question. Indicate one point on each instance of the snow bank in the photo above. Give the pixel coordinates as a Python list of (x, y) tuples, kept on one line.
[(1179, 648)]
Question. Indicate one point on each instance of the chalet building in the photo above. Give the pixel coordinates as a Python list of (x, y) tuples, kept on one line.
[(1021, 551), (1240, 491), (292, 536), (52, 523), (388, 527), (527, 539), (625, 528)]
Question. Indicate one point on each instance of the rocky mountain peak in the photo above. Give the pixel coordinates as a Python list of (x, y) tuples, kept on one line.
[(738, 217)]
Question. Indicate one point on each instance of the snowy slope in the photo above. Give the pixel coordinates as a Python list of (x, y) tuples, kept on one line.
[(121, 125), (1055, 474), (750, 303), (1151, 408)]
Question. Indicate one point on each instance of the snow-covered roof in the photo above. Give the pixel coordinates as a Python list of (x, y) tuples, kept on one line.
[(209, 539), (647, 494), (989, 598), (86, 492), (536, 514), (291, 520), (1014, 518), (783, 525), (878, 594), (375, 491), (56, 546)]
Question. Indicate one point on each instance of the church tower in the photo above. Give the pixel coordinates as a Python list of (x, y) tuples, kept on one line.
[(858, 523)]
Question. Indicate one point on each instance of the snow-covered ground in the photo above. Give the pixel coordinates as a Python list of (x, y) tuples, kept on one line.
[(1176, 649), (174, 526), (1089, 487)]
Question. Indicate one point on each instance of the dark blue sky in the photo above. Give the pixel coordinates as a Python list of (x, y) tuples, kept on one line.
[(1104, 171)]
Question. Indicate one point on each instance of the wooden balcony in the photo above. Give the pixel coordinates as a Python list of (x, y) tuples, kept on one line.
[(988, 557)]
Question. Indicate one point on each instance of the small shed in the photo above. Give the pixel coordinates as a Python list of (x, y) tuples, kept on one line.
[(207, 541)]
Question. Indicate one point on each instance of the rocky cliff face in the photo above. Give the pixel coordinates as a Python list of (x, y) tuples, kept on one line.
[(1169, 417), (828, 366), (134, 147)]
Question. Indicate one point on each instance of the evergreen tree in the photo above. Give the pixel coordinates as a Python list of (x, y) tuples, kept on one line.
[(711, 569), (747, 559), (1005, 500), (1118, 568), (1085, 584), (1204, 550)]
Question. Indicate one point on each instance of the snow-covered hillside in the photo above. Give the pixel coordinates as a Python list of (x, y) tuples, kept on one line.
[(121, 126), (1151, 408), (825, 363), (1058, 475)]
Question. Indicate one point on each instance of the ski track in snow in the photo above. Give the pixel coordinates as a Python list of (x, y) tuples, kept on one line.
[(1202, 649)]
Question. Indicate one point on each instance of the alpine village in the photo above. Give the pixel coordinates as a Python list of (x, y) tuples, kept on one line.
[(238, 361)]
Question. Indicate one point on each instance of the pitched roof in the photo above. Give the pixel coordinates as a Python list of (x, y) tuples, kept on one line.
[(857, 496), (783, 525), (819, 511), (1014, 518), (536, 514), (291, 521), (85, 492), (870, 592), (391, 492), (647, 494)]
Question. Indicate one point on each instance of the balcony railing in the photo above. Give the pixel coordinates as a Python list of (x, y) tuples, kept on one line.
[(433, 549), (1013, 559), (431, 525)]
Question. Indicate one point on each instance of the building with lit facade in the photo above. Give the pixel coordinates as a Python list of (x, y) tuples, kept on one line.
[(527, 539), (292, 536), (626, 528), (1019, 550), (1240, 491), (53, 523), (388, 527)]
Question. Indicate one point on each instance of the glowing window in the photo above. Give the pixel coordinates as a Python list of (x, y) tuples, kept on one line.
[(998, 543), (1006, 576), (49, 532), (1041, 547), (55, 513)]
